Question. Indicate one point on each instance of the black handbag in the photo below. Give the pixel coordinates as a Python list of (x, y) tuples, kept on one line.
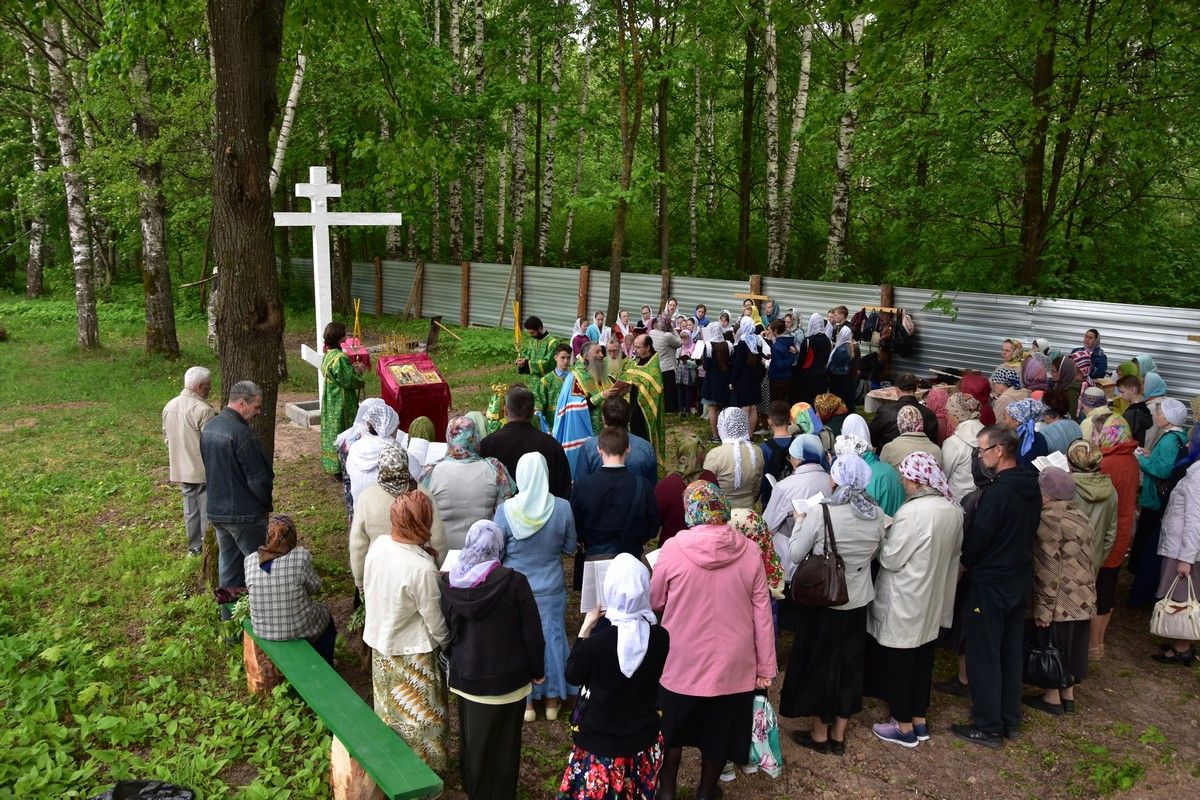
[(820, 580), (1043, 662)]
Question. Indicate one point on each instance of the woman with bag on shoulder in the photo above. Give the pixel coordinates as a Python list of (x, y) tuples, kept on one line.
[(1179, 546), (617, 660), (1064, 589), (914, 598), (824, 678)]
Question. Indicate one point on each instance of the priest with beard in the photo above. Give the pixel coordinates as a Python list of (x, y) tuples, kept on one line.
[(646, 395), (593, 382)]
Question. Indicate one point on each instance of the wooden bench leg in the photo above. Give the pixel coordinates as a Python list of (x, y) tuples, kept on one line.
[(261, 674), (348, 779)]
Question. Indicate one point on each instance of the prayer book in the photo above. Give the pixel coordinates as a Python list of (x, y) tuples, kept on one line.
[(592, 594), (652, 557), (451, 561), (1055, 459), (802, 507)]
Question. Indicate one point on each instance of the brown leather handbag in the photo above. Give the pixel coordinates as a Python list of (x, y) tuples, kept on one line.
[(820, 580)]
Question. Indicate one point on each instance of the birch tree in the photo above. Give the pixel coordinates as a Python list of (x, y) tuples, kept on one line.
[(289, 116), (839, 214), (697, 130), (36, 262), (547, 198), (799, 112), (480, 165), (580, 139), (435, 178), (502, 170), (518, 157), (630, 92), (456, 88), (771, 115)]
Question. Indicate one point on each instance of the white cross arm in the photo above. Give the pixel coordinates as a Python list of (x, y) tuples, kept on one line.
[(303, 219)]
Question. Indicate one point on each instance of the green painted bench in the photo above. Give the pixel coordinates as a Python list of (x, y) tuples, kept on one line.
[(379, 752)]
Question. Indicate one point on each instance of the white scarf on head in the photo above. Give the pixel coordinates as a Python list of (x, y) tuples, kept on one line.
[(745, 333), (627, 607)]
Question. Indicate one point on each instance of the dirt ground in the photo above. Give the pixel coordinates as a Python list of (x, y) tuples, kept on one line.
[(1136, 735)]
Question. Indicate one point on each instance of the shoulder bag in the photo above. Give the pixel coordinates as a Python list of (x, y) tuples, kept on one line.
[(1175, 619), (820, 580)]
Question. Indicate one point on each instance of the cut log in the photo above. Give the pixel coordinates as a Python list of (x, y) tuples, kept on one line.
[(347, 778), (261, 674)]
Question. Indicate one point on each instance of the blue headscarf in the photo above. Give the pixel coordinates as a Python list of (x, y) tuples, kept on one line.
[(807, 449), (1026, 413), (1153, 386)]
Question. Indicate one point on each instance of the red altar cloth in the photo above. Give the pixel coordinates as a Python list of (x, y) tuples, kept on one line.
[(415, 400)]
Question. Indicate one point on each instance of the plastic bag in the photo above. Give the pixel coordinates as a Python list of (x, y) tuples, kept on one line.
[(764, 738), (146, 790)]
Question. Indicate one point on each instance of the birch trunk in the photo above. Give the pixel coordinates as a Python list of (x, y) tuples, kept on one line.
[(456, 87), (654, 147), (771, 115), (580, 138), (480, 140), (693, 193), (799, 111), (87, 330), (518, 156), (392, 240), (543, 238), (746, 152), (630, 121), (285, 127), (839, 214), (502, 169), (156, 273), (710, 138), (435, 179), (36, 263)]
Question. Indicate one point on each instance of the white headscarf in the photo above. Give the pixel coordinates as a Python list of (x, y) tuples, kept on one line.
[(745, 333), (624, 327), (734, 428), (816, 324), (528, 510), (578, 330), (359, 428), (855, 437), (844, 337), (627, 607), (362, 459)]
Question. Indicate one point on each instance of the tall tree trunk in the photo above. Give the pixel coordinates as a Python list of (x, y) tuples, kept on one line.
[(392, 240), (152, 213), (710, 147), (799, 111), (654, 148), (664, 229), (35, 264), (435, 178), (456, 88), (771, 57), (480, 139), (289, 115), (693, 193), (502, 170), (518, 156), (580, 138), (87, 328), (746, 161), (839, 214), (1033, 218), (246, 37), (630, 79), (547, 198)]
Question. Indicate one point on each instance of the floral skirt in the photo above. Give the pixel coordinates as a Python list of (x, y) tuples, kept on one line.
[(411, 699), (594, 777)]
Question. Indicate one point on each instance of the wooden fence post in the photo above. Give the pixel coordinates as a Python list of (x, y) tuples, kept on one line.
[(419, 278), (756, 284), (464, 300), (378, 287), (581, 309), (665, 289), (887, 295)]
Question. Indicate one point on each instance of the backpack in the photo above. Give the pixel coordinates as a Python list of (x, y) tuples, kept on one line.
[(778, 464)]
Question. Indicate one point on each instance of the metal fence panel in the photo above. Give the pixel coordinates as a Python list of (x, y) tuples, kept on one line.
[(806, 298), (488, 282), (362, 286), (598, 293), (441, 292), (551, 293), (397, 284)]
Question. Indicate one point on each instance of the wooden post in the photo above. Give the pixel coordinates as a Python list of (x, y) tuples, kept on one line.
[(464, 299), (347, 778), (418, 288), (887, 295), (581, 305), (261, 674), (756, 284), (378, 287), (665, 289)]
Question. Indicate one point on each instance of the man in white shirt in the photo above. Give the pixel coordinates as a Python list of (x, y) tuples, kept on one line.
[(182, 420)]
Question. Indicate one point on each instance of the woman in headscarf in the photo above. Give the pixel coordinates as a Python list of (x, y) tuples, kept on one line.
[(496, 659), (617, 748), (362, 459), (714, 390), (1022, 416), (809, 478), (1012, 353), (373, 510), (1064, 588), (1145, 364), (598, 332), (770, 312), (749, 523), (1006, 388), (539, 529), (1095, 496), (281, 581), (885, 486), (824, 678), (1091, 402), (749, 309), (1035, 372), (1157, 466), (843, 367), (962, 410), (1067, 379), (668, 492), (936, 400), (1110, 433), (339, 402), (912, 438), (746, 371), (832, 412), (1056, 425), (347, 438), (465, 486), (405, 630), (976, 385), (737, 463), (914, 598), (621, 327), (810, 376), (579, 335), (1179, 545), (709, 587)]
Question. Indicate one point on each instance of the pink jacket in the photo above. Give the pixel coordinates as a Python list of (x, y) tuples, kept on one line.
[(710, 593)]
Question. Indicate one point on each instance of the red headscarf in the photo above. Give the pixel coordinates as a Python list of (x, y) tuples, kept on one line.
[(977, 386)]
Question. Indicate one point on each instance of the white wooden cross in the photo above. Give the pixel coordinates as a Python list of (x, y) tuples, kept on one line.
[(318, 190)]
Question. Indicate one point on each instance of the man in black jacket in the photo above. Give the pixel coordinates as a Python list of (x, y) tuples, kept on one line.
[(239, 481), (883, 425), (997, 553), (518, 437)]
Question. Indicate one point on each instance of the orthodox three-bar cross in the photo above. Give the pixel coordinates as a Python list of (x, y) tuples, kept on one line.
[(318, 190)]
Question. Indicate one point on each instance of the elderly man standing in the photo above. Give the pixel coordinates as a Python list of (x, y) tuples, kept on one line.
[(239, 481), (182, 420)]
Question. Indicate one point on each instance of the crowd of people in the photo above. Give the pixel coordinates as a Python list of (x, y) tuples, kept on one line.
[(990, 515)]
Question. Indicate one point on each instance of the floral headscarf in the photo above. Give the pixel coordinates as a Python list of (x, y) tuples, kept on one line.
[(937, 400), (479, 419), (909, 420), (748, 523), (689, 457), (462, 440), (359, 428), (705, 504), (1066, 374), (816, 324), (422, 428), (829, 406), (848, 443), (805, 418), (1018, 352), (412, 520), (733, 426), (1109, 431), (961, 407), (480, 555), (1083, 456), (923, 468), (394, 476), (1006, 376), (1026, 414), (856, 425), (281, 540), (1035, 372), (852, 474), (383, 419)]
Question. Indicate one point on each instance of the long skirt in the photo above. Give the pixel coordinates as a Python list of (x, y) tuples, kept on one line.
[(490, 748), (1167, 576), (410, 697), (1072, 639), (719, 726), (594, 777), (825, 672), (553, 609), (901, 677), (1144, 561)]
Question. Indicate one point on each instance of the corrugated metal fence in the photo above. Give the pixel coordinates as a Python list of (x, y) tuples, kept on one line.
[(971, 339)]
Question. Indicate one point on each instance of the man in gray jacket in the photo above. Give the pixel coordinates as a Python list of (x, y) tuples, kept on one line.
[(182, 420)]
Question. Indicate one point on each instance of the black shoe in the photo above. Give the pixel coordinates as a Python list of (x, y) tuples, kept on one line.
[(837, 748), (1068, 706), (1173, 656), (1036, 701), (972, 734), (804, 739), (953, 686), (1012, 734)]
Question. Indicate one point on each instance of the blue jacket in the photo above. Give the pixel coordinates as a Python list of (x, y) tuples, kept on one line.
[(238, 471), (782, 358), (640, 461)]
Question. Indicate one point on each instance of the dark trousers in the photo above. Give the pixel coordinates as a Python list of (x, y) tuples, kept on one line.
[(235, 541), (670, 394), (490, 748), (904, 677), (995, 631), (323, 642)]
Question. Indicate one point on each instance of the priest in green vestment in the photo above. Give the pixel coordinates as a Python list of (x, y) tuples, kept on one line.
[(339, 402), (593, 382), (546, 388), (536, 354), (644, 375)]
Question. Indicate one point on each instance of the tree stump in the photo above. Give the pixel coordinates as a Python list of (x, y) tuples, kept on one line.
[(347, 778), (261, 674)]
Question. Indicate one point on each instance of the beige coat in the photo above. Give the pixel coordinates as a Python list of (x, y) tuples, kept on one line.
[(182, 420), (905, 445), (914, 591), (956, 457), (719, 461), (857, 542), (1064, 583), (373, 518)]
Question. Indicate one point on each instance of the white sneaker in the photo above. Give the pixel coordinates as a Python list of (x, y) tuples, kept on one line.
[(748, 769), (729, 773), (530, 714)]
